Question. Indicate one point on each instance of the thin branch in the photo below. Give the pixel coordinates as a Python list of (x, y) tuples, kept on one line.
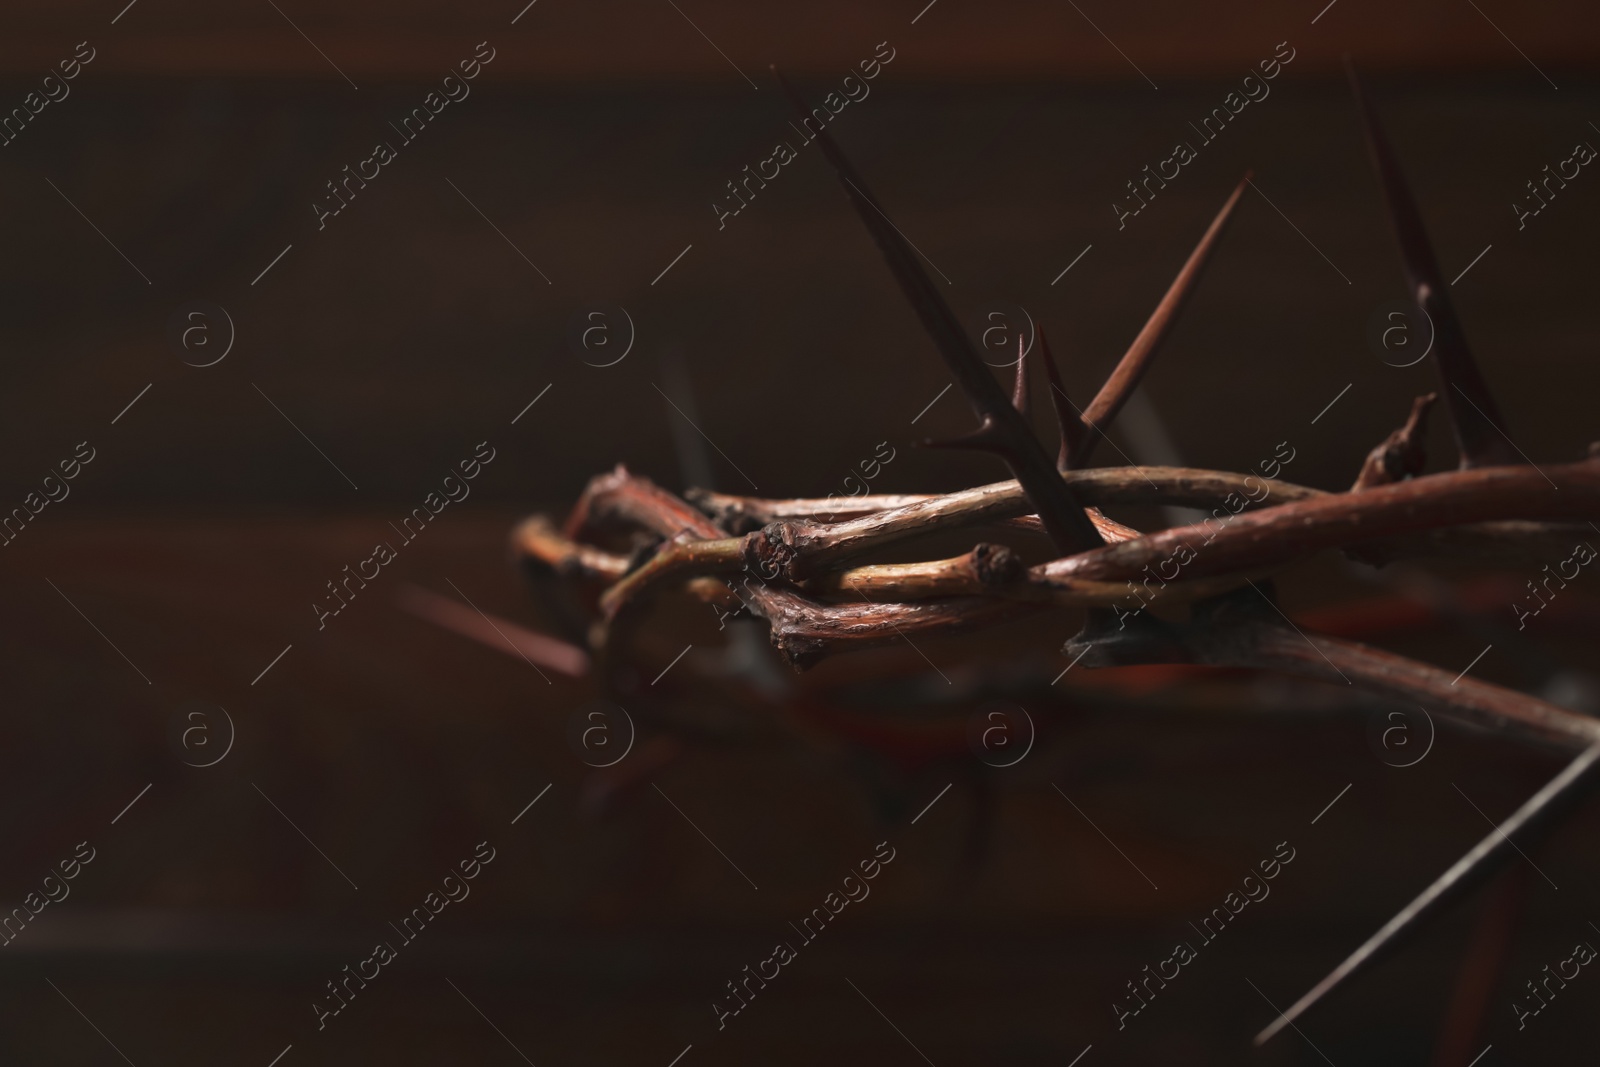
[(797, 548), (806, 631), (1469, 700), (622, 496), (986, 569), (627, 498), (536, 538), (679, 557), (1234, 538), (1246, 547), (1003, 501), (1272, 536), (1100, 486)]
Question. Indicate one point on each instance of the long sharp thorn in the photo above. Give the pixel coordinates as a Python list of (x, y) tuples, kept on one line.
[(1019, 387), (1479, 429), (1068, 424), (1063, 516), (1539, 812), (1125, 378)]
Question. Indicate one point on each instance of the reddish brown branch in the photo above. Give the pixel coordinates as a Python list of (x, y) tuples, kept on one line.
[(680, 557), (1177, 564), (620, 496), (1100, 486), (1464, 699), (796, 548), (1272, 536), (986, 569), (537, 538)]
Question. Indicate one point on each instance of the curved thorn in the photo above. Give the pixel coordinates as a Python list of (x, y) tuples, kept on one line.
[(1540, 810), (1479, 429), (1125, 378)]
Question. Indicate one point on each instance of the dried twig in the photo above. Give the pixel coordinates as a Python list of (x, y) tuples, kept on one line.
[(1100, 487), (1270, 537), (536, 538)]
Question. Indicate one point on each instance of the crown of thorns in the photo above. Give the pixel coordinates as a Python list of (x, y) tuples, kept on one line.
[(801, 576)]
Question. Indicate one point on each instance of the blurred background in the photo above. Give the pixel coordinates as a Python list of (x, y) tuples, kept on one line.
[(345, 363)]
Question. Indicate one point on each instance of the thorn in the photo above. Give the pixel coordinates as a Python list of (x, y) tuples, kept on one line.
[(1402, 454), (1019, 387), (1125, 378), (1068, 425), (1540, 811), (985, 439), (1063, 516), (1479, 429)]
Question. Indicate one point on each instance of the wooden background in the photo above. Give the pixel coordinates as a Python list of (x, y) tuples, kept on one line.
[(415, 326)]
